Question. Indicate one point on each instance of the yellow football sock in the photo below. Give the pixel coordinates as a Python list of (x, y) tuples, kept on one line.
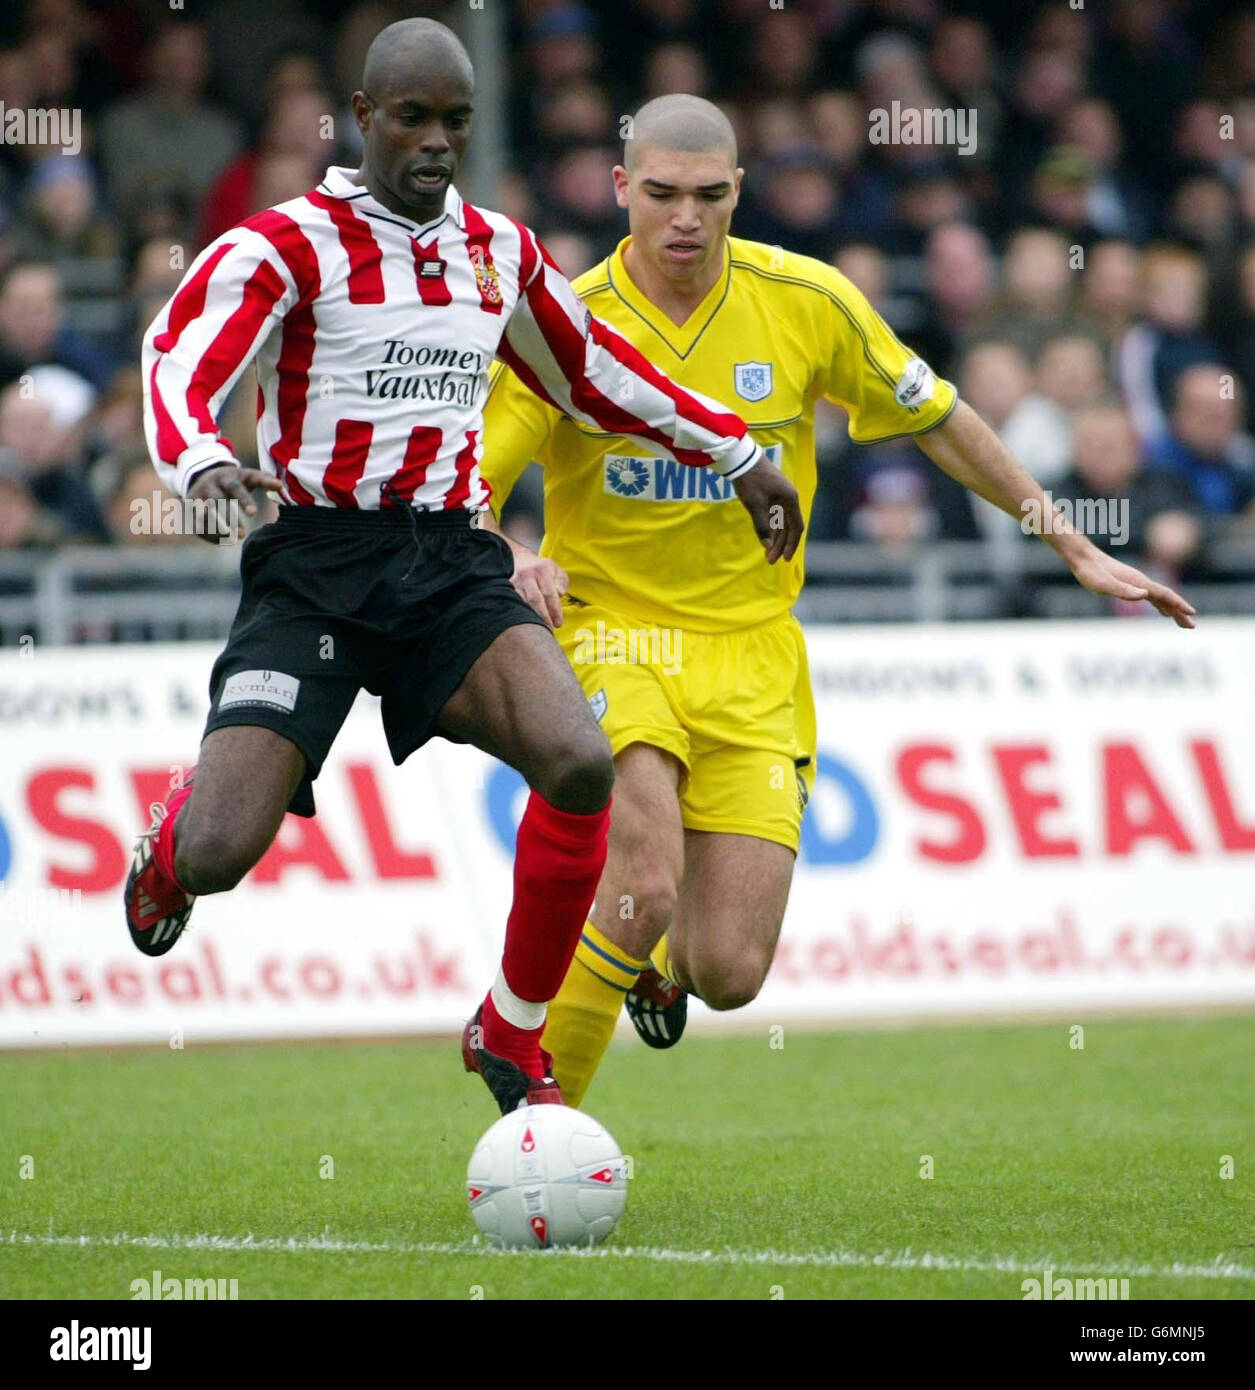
[(660, 959), (581, 1020)]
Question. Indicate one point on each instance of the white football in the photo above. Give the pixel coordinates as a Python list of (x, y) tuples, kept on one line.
[(546, 1176)]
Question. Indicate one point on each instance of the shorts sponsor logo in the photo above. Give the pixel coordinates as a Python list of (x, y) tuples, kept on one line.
[(916, 384), (274, 689), (752, 380), (645, 479)]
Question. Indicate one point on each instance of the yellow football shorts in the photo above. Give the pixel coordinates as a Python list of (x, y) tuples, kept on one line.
[(735, 709)]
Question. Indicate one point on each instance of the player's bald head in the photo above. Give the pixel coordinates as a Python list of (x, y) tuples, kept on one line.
[(688, 124), (410, 49)]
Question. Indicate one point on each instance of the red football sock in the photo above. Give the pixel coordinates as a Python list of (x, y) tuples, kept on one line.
[(505, 1039), (558, 860)]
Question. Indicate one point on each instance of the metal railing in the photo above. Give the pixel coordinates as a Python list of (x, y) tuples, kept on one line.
[(941, 581), (184, 592), (88, 594)]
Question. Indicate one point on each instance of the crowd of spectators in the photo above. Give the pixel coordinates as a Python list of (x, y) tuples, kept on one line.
[(1085, 274)]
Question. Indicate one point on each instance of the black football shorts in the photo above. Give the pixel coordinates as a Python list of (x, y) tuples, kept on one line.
[(398, 601)]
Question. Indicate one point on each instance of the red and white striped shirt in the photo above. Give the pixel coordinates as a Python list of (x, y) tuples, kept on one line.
[(373, 336)]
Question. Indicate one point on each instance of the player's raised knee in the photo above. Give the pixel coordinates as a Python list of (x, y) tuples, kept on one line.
[(655, 896), (731, 984), (645, 910), (578, 776), (213, 861)]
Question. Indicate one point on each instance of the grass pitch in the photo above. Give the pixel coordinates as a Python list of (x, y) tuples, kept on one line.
[(759, 1173)]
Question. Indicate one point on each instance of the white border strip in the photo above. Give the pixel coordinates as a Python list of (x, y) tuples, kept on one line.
[(819, 1259)]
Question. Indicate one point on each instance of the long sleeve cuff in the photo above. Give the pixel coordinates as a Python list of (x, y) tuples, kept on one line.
[(195, 459), (739, 460)]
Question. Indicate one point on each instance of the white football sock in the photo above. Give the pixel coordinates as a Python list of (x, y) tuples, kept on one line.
[(521, 1012)]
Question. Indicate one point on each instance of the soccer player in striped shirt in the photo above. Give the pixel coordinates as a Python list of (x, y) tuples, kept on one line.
[(715, 750), (373, 307)]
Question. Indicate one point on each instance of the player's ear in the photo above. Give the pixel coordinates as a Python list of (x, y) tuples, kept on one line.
[(736, 186), (621, 185), (362, 108)]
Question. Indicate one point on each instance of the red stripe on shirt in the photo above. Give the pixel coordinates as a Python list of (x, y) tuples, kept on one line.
[(432, 289), (567, 344), (420, 453), (170, 443), (463, 464), (189, 303), (348, 461), (479, 251), (295, 356), (364, 252), (262, 291), (293, 246), (527, 255), (297, 350), (525, 374)]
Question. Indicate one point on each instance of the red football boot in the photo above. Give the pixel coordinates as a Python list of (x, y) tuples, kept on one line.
[(157, 909), (510, 1085)]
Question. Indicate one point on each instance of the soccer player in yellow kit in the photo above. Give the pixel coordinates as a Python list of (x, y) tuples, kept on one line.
[(683, 639)]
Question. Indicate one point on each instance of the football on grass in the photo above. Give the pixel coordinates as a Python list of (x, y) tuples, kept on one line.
[(546, 1176)]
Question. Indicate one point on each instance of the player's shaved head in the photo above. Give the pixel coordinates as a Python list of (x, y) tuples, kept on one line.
[(411, 48), (680, 122), (414, 112), (680, 183)]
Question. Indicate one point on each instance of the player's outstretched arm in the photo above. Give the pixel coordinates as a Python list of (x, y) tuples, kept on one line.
[(581, 365), (964, 446)]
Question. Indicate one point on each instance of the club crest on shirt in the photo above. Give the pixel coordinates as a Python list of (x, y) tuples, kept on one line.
[(752, 379), (485, 273)]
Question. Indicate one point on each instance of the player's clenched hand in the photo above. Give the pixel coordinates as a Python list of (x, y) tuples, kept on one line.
[(540, 582), (771, 500), (227, 482), (1098, 572)]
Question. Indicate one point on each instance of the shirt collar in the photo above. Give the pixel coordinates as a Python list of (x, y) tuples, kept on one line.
[(339, 184), (680, 338)]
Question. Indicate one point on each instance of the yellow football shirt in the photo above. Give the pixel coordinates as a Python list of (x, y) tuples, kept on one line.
[(664, 542)]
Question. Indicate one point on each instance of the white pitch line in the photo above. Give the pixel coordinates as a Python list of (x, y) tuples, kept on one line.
[(819, 1259)]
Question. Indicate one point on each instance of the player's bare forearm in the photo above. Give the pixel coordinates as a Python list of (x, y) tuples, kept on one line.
[(965, 447), (537, 580), (972, 454)]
